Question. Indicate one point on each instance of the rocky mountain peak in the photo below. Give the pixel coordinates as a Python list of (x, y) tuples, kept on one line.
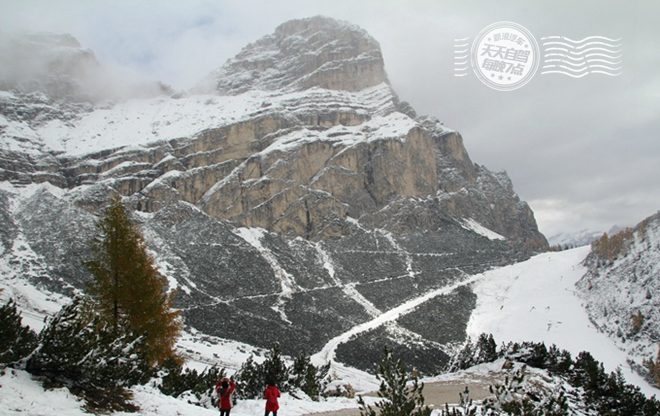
[(299, 199), (52, 64), (306, 139), (301, 54)]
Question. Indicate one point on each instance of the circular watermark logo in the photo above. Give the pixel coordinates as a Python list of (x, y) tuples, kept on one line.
[(505, 56)]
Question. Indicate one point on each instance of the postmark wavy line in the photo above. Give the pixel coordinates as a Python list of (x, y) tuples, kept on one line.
[(568, 45), (564, 73), (583, 63), (581, 59), (598, 43), (581, 40), (566, 68), (584, 52), (606, 73), (582, 68), (556, 57), (554, 48), (555, 69)]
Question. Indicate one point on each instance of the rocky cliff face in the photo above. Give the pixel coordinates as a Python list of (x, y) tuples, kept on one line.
[(301, 54), (292, 192)]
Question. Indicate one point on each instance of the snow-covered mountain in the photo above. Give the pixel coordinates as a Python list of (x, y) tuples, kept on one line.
[(579, 238), (622, 288), (292, 193), (51, 72), (539, 300), (48, 63), (293, 197), (576, 239)]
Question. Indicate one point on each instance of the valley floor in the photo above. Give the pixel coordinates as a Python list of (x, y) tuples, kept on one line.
[(529, 301)]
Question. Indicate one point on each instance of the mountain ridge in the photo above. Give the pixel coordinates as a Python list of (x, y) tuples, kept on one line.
[(352, 203), (621, 285)]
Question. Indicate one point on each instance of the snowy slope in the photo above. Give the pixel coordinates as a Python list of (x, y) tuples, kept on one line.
[(537, 301), (138, 122), (471, 224), (533, 300), (21, 395), (625, 285)]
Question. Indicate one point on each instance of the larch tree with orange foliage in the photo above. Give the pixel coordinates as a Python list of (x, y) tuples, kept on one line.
[(127, 286)]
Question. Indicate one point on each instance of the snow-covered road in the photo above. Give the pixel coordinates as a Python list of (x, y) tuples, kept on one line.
[(327, 353)]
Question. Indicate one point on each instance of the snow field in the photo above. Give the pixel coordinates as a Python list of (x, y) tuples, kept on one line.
[(536, 300), (20, 394), (529, 301)]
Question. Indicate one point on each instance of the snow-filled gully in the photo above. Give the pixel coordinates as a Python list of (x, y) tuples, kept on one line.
[(327, 353), (349, 290)]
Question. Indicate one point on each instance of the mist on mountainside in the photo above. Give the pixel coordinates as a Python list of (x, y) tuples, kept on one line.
[(58, 66)]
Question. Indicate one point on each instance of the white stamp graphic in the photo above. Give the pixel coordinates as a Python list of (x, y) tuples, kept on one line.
[(505, 56), (461, 57), (577, 58)]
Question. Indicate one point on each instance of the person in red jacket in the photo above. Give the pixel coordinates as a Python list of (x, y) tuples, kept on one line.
[(271, 395), (225, 388)]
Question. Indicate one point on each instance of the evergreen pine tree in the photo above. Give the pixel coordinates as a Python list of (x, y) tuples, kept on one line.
[(298, 372), (464, 359), (401, 399), (485, 350), (16, 340), (79, 347), (251, 380), (175, 381), (559, 361), (127, 286), (63, 344), (307, 377), (274, 368)]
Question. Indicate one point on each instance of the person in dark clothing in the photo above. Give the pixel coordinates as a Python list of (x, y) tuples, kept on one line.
[(225, 388), (271, 395)]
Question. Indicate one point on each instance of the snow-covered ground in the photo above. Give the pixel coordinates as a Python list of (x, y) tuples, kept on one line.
[(471, 224), (536, 301), (138, 122), (529, 301), (22, 395)]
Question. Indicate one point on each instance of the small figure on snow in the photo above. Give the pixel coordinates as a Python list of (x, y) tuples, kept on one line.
[(225, 388), (465, 398), (271, 395)]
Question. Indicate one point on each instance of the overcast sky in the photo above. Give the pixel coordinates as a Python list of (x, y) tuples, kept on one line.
[(584, 153)]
